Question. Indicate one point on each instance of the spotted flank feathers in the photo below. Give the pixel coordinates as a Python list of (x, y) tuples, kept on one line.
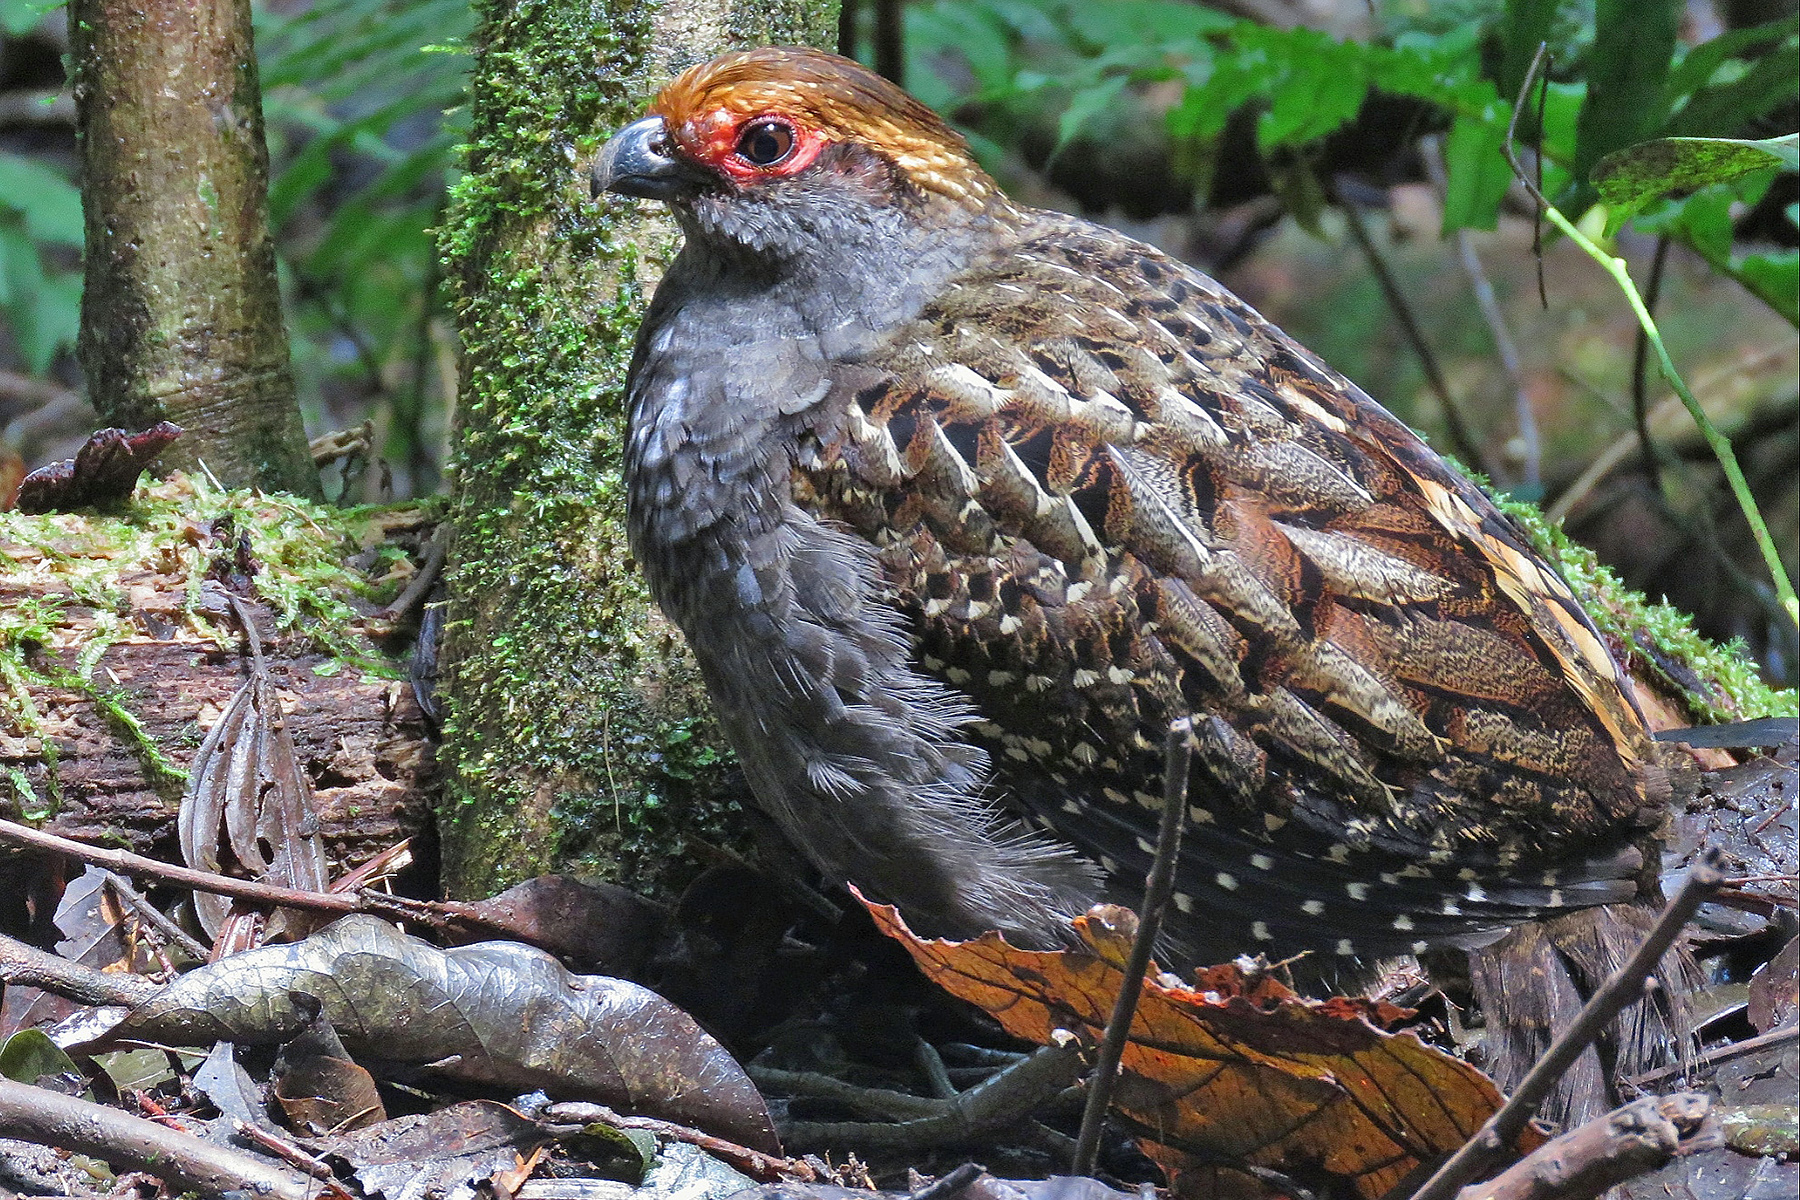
[(1105, 495)]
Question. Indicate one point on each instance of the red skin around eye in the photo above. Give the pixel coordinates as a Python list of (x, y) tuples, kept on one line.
[(712, 138)]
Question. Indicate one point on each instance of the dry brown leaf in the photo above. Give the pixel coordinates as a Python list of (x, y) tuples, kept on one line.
[(496, 1014), (247, 784), (1234, 1072)]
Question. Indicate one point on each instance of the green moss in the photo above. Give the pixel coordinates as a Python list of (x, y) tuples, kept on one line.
[(74, 580), (571, 706), (1719, 683)]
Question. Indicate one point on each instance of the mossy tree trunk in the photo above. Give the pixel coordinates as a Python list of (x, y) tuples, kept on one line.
[(577, 726), (180, 311)]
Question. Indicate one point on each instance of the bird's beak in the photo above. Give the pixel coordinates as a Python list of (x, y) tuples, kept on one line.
[(641, 161)]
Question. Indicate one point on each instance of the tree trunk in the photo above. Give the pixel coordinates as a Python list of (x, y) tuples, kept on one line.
[(180, 313), (577, 724)]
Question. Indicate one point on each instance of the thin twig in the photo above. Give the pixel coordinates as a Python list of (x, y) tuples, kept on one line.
[(1462, 434), (1720, 444), (1504, 346), (1539, 66), (1627, 1142), (153, 917), (292, 1155), (427, 574), (1719, 1054), (127, 863), (46, 1118), (1157, 889), (437, 914), (570, 1117), (1640, 359), (1624, 987)]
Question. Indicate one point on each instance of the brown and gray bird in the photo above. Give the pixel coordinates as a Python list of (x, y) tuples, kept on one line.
[(960, 503)]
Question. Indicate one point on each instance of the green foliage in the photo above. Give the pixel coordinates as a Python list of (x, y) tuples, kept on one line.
[(1721, 174), (363, 101), (40, 244), (1618, 77), (22, 16), (1631, 178), (29, 1055)]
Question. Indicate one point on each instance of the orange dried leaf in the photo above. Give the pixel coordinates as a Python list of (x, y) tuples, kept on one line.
[(1234, 1071)]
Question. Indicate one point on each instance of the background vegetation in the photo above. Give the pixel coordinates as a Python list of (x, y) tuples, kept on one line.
[(1339, 163)]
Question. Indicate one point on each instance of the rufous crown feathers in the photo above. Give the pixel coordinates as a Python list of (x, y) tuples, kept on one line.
[(826, 99)]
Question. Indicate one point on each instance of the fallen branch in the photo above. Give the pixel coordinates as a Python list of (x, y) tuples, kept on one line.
[(30, 967), (46, 1118), (1624, 1143), (1719, 1054), (127, 863), (1626, 986), (1001, 1101)]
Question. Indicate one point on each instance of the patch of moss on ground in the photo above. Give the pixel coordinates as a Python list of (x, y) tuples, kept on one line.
[(301, 550), (1731, 686), (72, 584)]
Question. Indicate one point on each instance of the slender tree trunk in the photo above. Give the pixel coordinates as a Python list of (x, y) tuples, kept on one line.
[(577, 725), (180, 313)]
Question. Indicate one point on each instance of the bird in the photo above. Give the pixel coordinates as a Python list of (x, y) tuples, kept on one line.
[(961, 504)]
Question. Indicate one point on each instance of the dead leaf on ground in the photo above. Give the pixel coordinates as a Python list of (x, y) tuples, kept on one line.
[(495, 1013), (249, 802), (450, 1152), (590, 924), (321, 1090), (95, 934), (1235, 1071), (1775, 989)]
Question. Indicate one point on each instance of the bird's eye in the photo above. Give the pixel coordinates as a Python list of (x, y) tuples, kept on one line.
[(765, 143)]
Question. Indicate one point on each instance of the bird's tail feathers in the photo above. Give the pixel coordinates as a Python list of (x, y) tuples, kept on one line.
[(1532, 983)]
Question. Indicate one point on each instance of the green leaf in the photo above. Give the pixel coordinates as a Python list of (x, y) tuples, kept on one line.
[(1562, 112), (974, 36), (1161, 23), (1631, 178), (1698, 67), (136, 1070), (52, 317), (1774, 278), (1086, 104), (29, 1055), (1477, 174), (1324, 87), (22, 16), (1725, 108), (49, 203)]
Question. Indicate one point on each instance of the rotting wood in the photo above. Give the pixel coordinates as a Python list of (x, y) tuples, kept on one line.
[(362, 741), (108, 654)]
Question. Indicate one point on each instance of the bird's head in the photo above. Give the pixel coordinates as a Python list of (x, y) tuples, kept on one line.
[(778, 148)]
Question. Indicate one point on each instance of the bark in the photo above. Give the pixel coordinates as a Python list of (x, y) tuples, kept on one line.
[(110, 678), (180, 313), (577, 724), (361, 740)]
